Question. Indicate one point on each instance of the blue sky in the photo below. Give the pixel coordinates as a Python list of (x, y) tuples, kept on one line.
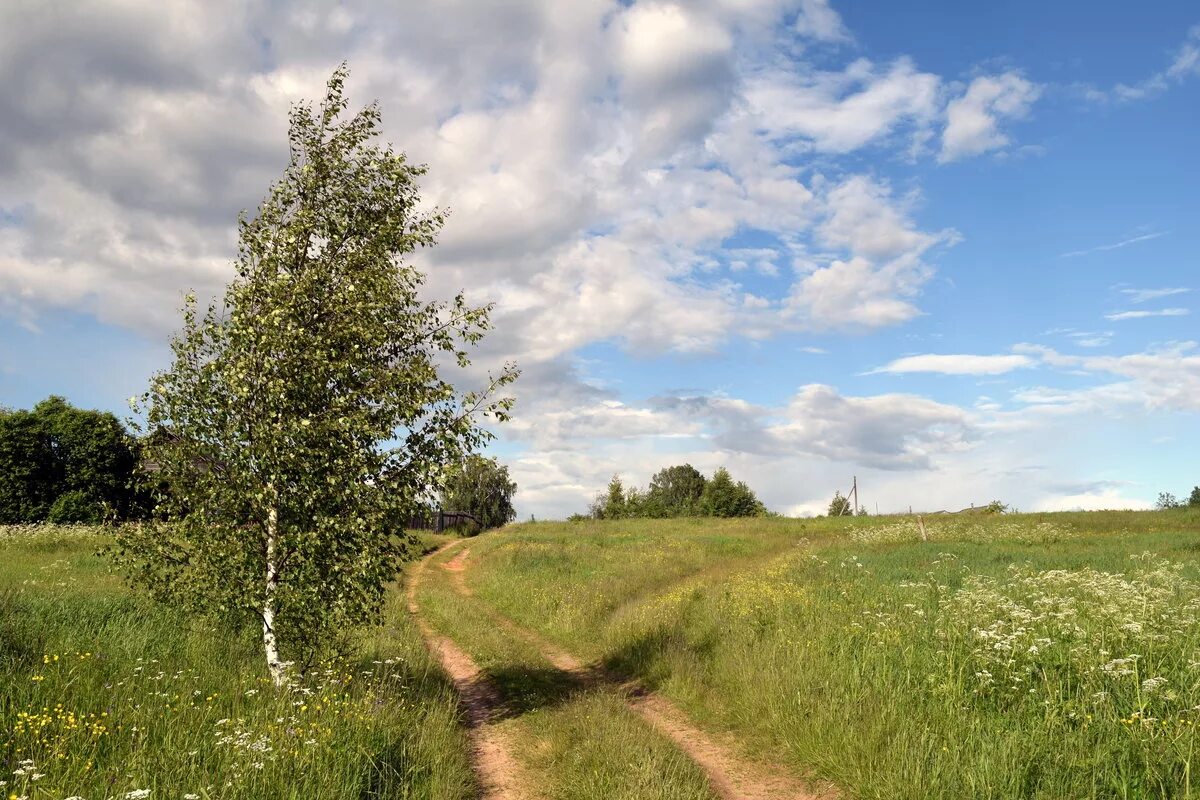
[(950, 249)]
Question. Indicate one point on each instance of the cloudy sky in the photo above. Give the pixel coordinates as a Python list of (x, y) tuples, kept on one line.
[(950, 249)]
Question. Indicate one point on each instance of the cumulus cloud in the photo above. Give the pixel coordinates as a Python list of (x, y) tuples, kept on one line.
[(948, 364), (818, 20), (842, 111), (889, 431), (872, 288), (973, 120), (594, 159)]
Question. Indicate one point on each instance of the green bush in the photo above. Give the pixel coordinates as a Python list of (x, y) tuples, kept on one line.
[(76, 507)]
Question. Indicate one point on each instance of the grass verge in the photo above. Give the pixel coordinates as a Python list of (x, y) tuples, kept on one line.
[(106, 695)]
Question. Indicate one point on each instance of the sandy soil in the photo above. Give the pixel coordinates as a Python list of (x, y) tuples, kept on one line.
[(498, 773)]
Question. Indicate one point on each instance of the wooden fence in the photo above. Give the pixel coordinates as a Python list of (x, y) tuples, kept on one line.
[(441, 520)]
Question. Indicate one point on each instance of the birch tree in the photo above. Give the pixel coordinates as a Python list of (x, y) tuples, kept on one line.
[(310, 405)]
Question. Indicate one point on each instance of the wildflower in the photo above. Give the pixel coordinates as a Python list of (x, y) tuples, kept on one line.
[(137, 794)]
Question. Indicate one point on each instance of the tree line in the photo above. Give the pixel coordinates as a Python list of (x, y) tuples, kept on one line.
[(1168, 500), (677, 491)]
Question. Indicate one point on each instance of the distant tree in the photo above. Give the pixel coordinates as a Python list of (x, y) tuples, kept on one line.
[(56, 450), (996, 507), (611, 503), (1166, 500), (309, 407), (839, 506), (676, 491), (722, 497), (1194, 497), (481, 487)]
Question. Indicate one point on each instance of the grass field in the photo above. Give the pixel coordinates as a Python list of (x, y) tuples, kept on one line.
[(1023, 656), (105, 695), (1052, 656)]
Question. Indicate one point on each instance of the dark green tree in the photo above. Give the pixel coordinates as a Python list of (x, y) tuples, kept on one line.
[(722, 497), (1194, 497), (309, 407), (676, 491), (481, 487), (612, 503), (56, 450), (30, 470), (839, 506)]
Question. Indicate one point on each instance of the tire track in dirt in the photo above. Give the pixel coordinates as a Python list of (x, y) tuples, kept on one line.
[(731, 776), (496, 771)]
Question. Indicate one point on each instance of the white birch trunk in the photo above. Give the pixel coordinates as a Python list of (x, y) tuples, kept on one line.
[(275, 664)]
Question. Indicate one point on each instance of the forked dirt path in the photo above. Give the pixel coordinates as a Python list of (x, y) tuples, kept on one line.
[(497, 772), (731, 776)]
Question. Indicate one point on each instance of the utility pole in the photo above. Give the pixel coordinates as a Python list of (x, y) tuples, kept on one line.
[(854, 492)]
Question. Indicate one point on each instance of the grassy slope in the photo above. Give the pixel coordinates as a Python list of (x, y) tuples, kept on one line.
[(574, 744), (1033, 656), (105, 694)]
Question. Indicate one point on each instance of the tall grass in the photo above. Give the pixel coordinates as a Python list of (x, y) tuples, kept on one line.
[(106, 695), (1021, 656)]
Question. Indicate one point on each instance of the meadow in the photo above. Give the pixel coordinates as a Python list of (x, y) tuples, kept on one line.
[(1014, 656), (1047, 656), (106, 695)]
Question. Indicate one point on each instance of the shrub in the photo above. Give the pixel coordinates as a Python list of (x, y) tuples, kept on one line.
[(76, 507)]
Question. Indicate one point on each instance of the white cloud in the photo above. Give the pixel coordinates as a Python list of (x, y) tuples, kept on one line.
[(1142, 295), (1117, 316), (973, 120), (818, 20), (1162, 379), (957, 364), (888, 431), (842, 111), (676, 73), (872, 288), (1089, 501), (1187, 59), (1184, 64)]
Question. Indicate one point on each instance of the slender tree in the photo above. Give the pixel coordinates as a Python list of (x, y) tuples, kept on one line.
[(309, 407)]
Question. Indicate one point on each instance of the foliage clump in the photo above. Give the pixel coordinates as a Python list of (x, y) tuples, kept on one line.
[(482, 488), (59, 463), (308, 407), (679, 491)]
